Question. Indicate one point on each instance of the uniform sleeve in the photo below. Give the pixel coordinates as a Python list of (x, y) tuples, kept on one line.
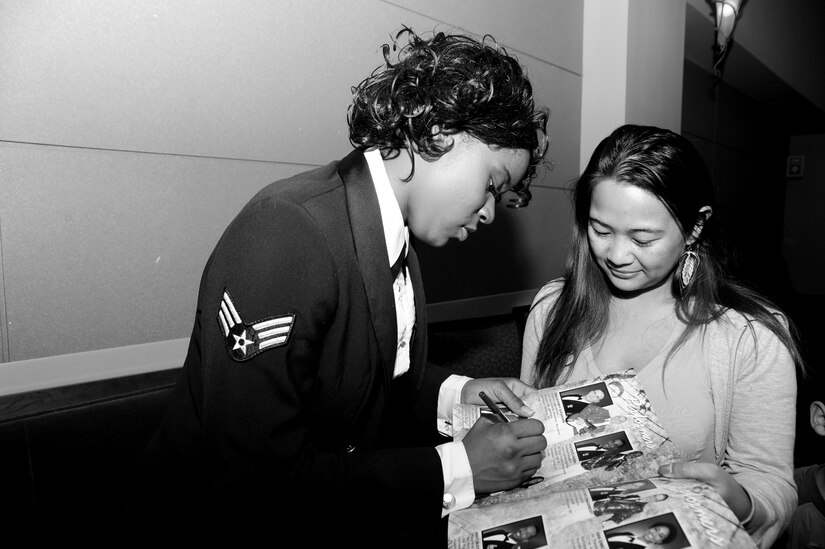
[(271, 417), (268, 265), (761, 431)]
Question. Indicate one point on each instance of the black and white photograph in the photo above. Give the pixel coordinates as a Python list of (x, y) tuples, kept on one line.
[(659, 532), (524, 534), (258, 257)]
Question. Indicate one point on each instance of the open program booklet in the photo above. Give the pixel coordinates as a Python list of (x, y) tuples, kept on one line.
[(598, 485)]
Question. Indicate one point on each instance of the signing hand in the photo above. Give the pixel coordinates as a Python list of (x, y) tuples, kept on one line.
[(507, 390), (502, 455)]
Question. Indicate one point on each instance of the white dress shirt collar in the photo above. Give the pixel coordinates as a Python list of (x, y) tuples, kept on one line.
[(396, 233)]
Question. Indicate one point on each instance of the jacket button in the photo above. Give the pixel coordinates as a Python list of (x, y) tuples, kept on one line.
[(349, 449)]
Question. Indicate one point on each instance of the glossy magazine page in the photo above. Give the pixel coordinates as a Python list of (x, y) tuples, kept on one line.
[(598, 484), (655, 512), (598, 431)]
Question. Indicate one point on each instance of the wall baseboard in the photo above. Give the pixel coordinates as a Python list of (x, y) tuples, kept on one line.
[(58, 371), (476, 307)]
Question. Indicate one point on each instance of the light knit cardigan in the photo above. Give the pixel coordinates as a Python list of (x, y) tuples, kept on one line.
[(753, 386)]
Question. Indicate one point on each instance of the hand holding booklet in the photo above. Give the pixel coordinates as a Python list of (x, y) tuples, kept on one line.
[(598, 485)]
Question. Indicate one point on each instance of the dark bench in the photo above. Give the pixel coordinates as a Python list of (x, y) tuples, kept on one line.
[(71, 451)]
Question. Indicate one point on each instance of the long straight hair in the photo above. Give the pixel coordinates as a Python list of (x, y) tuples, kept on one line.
[(668, 166)]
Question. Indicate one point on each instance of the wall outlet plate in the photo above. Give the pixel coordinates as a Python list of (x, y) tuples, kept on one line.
[(796, 166)]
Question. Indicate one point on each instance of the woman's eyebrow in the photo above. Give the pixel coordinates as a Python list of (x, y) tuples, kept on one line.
[(647, 230), (650, 230), (506, 182)]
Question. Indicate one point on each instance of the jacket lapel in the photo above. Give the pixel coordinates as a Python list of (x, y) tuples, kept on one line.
[(418, 352), (371, 251)]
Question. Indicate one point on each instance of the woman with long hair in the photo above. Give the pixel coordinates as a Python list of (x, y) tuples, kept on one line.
[(646, 287)]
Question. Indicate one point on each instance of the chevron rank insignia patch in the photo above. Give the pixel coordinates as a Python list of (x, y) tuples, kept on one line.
[(243, 341)]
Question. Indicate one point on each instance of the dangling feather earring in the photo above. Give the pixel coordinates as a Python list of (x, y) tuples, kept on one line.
[(690, 262)]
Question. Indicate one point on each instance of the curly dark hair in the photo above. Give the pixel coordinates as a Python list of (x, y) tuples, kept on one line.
[(455, 84)]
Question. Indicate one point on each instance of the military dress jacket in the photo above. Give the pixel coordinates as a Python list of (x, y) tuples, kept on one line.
[(286, 393)]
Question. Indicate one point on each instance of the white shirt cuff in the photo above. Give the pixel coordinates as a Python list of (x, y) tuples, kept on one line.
[(449, 394), (459, 492)]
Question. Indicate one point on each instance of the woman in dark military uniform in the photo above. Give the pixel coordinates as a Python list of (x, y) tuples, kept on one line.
[(305, 401)]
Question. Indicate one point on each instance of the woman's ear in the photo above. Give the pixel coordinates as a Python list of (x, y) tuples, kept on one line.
[(443, 139), (704, 214), (818, 417)]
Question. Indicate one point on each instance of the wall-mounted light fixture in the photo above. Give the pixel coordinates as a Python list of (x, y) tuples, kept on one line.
[(726, 13)]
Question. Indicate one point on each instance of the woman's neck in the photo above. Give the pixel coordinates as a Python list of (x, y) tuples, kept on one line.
[(651, 304)]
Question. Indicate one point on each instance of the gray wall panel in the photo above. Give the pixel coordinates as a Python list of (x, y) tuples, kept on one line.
[(104, 249), (132, 132)]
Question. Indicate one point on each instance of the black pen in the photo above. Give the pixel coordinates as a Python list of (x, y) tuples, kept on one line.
[(492, 406)]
